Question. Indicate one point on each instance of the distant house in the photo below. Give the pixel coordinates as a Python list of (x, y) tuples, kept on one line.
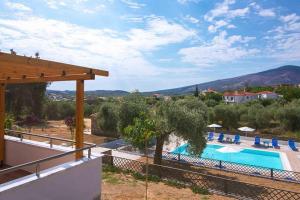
[(267, 95), (209, 90), (239, 97), (242, 97)]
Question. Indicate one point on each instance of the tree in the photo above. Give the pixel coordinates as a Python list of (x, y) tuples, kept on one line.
[(186, 118), (107, 118), (289, 116), (70, 122), (228, 115), (130, 108), (25, 98), (196, 93)]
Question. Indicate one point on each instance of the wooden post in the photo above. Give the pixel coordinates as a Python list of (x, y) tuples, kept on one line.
[(2, 119), (79, 117)]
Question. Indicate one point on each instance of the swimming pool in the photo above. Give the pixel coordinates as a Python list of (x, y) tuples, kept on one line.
[(244, 156)]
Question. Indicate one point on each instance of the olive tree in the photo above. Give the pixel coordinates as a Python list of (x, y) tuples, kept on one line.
[(107, 118), (186, 118)]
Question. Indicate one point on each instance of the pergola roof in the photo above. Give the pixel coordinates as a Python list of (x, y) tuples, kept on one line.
[(22, 69)]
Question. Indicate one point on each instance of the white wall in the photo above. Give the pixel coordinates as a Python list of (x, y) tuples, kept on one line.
[(81, 181), (17, 153)]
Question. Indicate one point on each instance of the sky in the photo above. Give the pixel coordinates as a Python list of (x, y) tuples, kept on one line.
[(154, 44)]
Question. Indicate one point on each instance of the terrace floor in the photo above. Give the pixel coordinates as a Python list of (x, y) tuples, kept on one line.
[(12, 175)]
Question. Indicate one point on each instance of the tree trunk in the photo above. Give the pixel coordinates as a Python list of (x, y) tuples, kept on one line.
[(159, 148)]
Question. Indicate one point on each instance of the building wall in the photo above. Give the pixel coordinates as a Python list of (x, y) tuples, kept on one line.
[(17, 152), (74, 182)]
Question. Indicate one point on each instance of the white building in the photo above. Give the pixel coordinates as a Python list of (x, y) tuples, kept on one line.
[(242, 97), (239, 97), (267, 95)]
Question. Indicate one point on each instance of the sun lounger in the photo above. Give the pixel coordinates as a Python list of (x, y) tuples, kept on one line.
[(257, 141), (292, 145), (236, 139), (221, 137), (275, 143), (210, 136)]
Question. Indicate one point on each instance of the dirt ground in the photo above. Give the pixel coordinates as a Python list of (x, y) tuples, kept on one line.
[(59, 129), (125, 187)]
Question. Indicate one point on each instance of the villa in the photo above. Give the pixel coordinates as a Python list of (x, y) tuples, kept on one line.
[(243, 97)]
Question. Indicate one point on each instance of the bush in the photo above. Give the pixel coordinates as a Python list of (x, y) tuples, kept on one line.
[(199, 190), (107, 118)]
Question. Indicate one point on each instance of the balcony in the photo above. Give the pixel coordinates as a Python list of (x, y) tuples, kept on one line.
[(35, 170)]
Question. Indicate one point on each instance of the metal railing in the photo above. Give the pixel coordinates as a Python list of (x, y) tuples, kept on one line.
[(21, 134), (252, 170), (212, 183), (37, 163)]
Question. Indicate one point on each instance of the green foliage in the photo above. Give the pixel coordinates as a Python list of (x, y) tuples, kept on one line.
[(196, 93), (186, 118), (25, 99), (228, 115), (131, 107), (289, 93), (174, 183), (107, 117), (217, 97), (141, 131), (57, 110), (199, 190), (259, 116), (9, 121), (289, 116)]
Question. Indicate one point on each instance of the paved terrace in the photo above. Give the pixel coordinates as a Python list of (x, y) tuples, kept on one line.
[(290, 159)]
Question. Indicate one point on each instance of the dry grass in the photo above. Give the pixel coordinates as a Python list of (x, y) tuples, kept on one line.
[(118, 186)]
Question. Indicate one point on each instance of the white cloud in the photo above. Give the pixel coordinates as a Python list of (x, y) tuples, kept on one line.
[(221, 15), (284, 41), (191, 19), (223, 10), (217, 25), (290, 18), (221, 49), (188, 1), (18, 6), (267, 13), (132, 4), (77, 5), (120, 52)]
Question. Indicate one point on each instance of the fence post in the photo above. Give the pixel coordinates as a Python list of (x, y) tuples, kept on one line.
[(272, 173), (51, 143), (220, 164), (225, 187), (178, 157)]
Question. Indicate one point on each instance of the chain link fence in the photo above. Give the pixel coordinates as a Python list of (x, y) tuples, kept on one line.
[(214, 184), (276, 174)]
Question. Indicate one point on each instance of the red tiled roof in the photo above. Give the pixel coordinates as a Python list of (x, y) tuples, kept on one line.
[(239, 94), (265, 92)]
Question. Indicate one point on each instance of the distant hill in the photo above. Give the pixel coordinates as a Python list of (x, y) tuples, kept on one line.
[(69, 94), (288, 74)]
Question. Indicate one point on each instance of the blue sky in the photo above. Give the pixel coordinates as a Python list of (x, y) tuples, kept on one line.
[(155, 44)]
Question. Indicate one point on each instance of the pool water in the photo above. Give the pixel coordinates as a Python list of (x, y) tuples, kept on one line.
[(245, 156)]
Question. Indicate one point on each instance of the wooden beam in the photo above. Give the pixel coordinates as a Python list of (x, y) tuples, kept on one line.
[(79, 117), (22, 65), (42, 79), (2, 119)]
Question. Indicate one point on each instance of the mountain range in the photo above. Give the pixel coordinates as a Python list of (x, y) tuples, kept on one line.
[(288, 74)]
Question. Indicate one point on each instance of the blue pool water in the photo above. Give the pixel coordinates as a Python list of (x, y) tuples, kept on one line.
[(246, 156)]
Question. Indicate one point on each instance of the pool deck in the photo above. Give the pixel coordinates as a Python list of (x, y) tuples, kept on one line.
[(290, 159)]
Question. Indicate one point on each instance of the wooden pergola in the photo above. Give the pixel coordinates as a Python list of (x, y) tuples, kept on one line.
[(16, 69)]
